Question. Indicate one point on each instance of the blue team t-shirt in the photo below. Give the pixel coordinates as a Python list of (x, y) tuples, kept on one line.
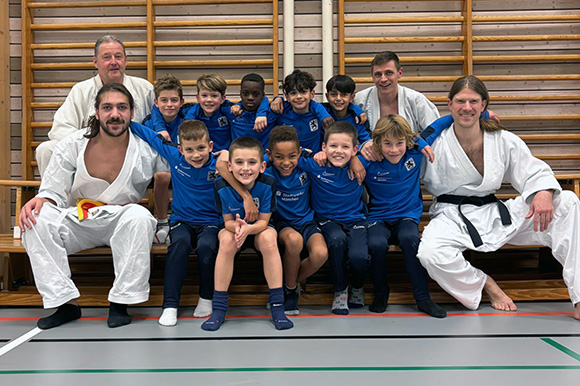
[(193, 193), (307, 125), (292, 197), (334, 195), (228, 201)]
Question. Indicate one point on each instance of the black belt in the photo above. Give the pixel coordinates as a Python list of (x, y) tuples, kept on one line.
[(477, 201)]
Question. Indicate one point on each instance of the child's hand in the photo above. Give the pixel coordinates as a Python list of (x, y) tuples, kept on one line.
[(260, 124), (356, 169), (242, 231), (361, 119), (428, 153), (165, 135), (251, 210), (320, 158), (236, 110), (368, 152), (493, 116), (326, 122), (277, 106)]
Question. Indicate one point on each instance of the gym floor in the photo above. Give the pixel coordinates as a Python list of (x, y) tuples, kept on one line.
[(538, 345)]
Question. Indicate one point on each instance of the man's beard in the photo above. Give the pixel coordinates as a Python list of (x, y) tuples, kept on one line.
[(111, 133)]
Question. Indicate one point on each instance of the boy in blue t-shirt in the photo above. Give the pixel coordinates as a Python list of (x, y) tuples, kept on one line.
[(340, 90), (256, 120), (302, 112), (395, 206), (168, 114), (194, 222), (294, 218), (337, 202), (246, 164)]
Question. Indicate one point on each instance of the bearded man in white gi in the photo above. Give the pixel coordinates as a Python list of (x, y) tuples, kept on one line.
[(89, 197), (110, 60), (472, 159)]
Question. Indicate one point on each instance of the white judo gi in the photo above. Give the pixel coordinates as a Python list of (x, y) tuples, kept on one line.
[(413, 106), (506, 158), (122, 223), (79, 106)]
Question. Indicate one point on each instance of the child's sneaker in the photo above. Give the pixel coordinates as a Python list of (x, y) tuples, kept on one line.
[(291, 301), (162, 233)]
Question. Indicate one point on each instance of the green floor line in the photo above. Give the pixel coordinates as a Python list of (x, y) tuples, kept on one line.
[(286, 369), (562, 348)]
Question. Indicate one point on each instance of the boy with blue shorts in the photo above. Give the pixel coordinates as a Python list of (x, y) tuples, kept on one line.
[(246, 164), (395, 206), (294, 218), (194, 222), (337, 202)]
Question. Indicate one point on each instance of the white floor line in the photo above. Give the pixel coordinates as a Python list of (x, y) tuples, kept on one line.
[(18, 341)]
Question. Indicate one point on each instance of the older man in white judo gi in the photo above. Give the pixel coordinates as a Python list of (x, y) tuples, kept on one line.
[(89, 197), (110, 60), (472, 159)]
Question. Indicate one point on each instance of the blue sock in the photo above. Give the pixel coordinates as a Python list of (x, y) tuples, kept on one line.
[(219, 308), (281, 322)]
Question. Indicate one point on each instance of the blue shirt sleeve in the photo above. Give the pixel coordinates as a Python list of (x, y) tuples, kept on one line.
[(264, 108), (318, 110), (435, 129), (356, 109), (165, 148)]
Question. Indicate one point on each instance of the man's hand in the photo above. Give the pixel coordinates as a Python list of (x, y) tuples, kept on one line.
[(165, 134), (29, 211), (368, 152), (327, 122), (236, 110), (250, 209), (542, 209), (277, 105), (260, 124), (242, 231), (428, 153), (320, 158)]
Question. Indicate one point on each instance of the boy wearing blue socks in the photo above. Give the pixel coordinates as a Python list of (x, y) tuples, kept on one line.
[(194, 222), (246, 163)]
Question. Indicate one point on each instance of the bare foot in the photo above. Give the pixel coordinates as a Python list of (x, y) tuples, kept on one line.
[(577, 311), (499, 300)]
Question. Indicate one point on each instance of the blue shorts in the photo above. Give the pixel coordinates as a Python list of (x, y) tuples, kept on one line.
[(307, 230)]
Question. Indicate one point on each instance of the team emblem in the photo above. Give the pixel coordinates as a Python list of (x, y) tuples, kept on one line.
[(257, 202), (410, 164), (223, 121), (211, 175), (313, 125), (303, 178)]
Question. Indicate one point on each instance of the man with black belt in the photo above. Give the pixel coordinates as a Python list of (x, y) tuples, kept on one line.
[(472, 159)]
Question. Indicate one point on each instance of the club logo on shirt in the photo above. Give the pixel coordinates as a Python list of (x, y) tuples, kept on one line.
[(410, 164), (278, 193), (303, 178), (257, 202), (211, 175), (313, 125), (223, 121)]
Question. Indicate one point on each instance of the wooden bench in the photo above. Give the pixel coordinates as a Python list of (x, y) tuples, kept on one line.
[(536, 276)]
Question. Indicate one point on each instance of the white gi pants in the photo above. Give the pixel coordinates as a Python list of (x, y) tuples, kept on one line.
[(128, 230), (443, 241)]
